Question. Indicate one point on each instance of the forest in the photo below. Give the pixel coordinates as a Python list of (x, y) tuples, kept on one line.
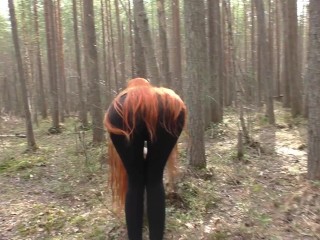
[(248, 72)]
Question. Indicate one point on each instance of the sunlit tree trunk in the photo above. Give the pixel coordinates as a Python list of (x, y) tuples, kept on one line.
[(30, 135)]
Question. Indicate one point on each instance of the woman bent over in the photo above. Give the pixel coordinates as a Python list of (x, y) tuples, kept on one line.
[(143, 114)]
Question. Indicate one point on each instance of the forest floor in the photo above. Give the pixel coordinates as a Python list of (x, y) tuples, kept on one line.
[(60, 191)]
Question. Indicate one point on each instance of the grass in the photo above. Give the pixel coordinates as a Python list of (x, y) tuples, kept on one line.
[(28, 161)]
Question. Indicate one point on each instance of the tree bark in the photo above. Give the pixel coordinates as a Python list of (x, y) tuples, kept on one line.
[(164, 64), (294, 74), (215, 61), (176, 48), (93, 72), (264, 61), (15, 36), (42, 99), (314, 89), (60, 62), (82, 104), (147, 43), (52, 62), (106, 75), (196, 72), (285, 58)]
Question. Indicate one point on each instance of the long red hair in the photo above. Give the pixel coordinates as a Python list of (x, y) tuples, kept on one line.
[(143, 99)]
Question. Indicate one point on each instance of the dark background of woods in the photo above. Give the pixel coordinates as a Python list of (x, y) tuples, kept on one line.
[(62, 58)]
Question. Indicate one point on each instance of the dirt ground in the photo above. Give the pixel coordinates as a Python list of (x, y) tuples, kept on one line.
[(60, 191)]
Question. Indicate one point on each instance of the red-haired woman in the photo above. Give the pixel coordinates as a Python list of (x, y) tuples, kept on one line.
[(143, 113)]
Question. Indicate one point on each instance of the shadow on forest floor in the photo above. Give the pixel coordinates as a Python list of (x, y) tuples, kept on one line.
[(60, 191)]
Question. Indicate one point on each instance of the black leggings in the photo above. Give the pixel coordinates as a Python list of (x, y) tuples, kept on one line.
[(145, 174)]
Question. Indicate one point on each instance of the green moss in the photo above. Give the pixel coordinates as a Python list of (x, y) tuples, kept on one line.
[(19, 164)]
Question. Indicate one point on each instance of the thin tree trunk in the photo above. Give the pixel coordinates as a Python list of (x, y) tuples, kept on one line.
[(115, 68), (120, 45), (230, 60), (131, 39), (254, 88), (165, 66), (278, 51), (147, 43), (42, 99), (271, 42), (60, 61), (82, 104), (30, 136), (105, 69), (176, 48)]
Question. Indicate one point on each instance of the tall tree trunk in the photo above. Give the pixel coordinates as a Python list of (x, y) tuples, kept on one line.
[(141, 19), (112, 49), (164, 66), (285, 59), (264, 61), (254, 88), (131, 39), (271, 42), (314, 90), (105, 69), (60, 62), (196, 72), (215, 61), (176, 48), (278, 51), (294, 74), (52, 62), (230, 60), (121, 52), (93, 72), (139, 59), (15, 36), (42, 99), (82, 104)]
